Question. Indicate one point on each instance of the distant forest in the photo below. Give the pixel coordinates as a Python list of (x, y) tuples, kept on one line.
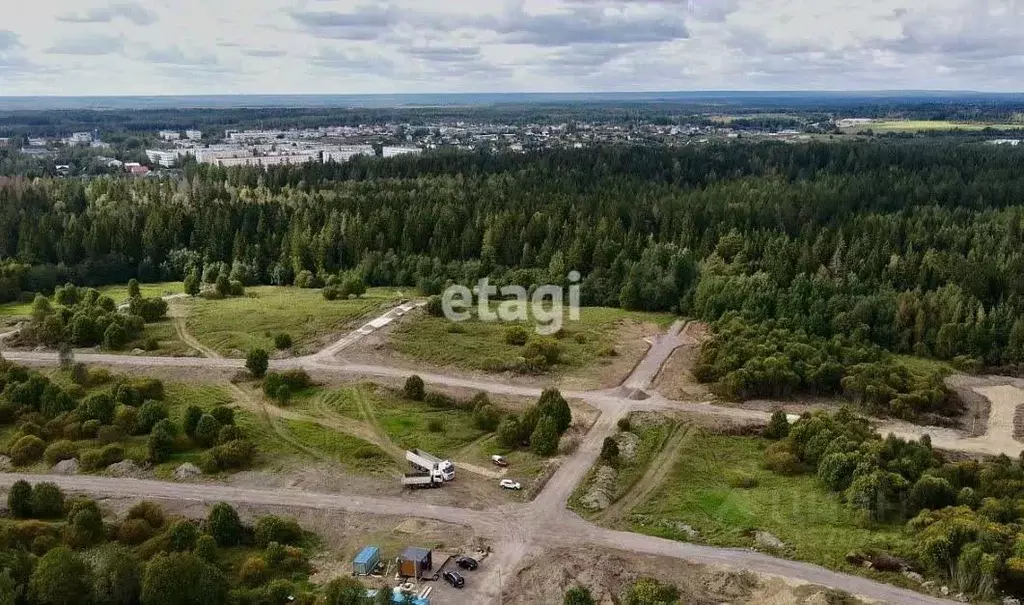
[(120, 121), (816, 261)]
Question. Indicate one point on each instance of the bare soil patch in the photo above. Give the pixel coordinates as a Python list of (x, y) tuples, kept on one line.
[(546, 576), (675, 380)]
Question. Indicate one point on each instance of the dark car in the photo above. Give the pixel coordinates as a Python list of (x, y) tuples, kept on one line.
[(467, 563), (453, 578)]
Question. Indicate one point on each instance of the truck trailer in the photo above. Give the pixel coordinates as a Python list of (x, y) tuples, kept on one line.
[(429, 463)]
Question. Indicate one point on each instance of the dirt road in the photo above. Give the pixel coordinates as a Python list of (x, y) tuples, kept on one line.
[(518, 529)]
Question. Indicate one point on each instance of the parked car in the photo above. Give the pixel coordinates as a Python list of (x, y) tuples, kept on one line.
[(499, 460), (510, 484), (467, 563), (454, 578)]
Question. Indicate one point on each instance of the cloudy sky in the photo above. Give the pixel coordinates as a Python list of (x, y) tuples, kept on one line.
[(116, 47)]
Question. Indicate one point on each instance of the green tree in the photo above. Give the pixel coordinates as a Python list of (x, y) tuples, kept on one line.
[(117, 576), (414, 388), (150, 413), (207, 430), (544, 440), (610, 450), (133, 288), (344, 591), (182, 536), (551, 403), (10, 591), (160, 445), (257, 361), (508, 431), (19, 499), (192, 415), (778, 426), (224, 525), (164, 581), (206, 548), (47, 501), (192, 284), (61, 578)]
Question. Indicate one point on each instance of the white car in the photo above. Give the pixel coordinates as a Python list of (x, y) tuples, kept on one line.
[(510, 484)]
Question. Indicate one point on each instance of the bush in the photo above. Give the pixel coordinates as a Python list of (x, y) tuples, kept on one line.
[(60, 578), (544, 439), (224, 525), (783, 463), (257, 361), (134, 532), (117, 576), (414, 388), (60, 450), (275, 529), (150, 413), (434, 425), (624, 424), (161, 442), (206, 548), (228, 433), (90, 428), (99, 458), (19, 499), (223, 414), (778, 426), (192, 415), (516, 336), (109, 434), (182, 536), (150, 512), (99, 407), (47, 501), (435, 308), (253, 572), (27, 450), (126, 417), (743, 481), (610, 450), (182, 579), (86, 526), (233, 454), (80, 374), (206, 431)]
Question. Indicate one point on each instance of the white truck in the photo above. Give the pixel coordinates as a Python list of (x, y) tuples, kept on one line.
[(422, 480), (429, 463)]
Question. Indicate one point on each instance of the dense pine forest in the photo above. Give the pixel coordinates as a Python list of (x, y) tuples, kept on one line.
[(814, 259)]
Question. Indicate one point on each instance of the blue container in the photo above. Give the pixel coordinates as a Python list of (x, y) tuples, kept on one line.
[(366, 561)]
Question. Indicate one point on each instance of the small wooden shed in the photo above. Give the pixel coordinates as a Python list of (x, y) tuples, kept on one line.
[(415, 562)]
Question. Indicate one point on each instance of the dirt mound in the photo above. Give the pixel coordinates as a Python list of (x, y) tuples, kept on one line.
[(599, 495), (187, 471), (545, 577), (66, 467)]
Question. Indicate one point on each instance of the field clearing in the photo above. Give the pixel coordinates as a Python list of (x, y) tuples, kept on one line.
[(405, 423), (929, 125), (814, 524), (234, 325), (604, 341)]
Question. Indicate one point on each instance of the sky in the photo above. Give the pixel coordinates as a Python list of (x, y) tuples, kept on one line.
[(177, 47)]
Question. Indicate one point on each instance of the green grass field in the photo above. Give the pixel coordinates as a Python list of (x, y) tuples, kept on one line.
[(926, 125), (237, 324), (814, 524), (405, 423), (119, 293), (480, 346)]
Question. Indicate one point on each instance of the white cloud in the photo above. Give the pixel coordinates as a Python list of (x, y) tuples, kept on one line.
[(342, 46)]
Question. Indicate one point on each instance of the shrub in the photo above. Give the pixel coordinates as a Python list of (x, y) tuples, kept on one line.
[(782, 462), (230, 455), (150, 512), (610, 450), (228, 433), (223, 414), (86, 526), (516, 336), (206, 548), (60, 450), (743, 481), (109, 434), (778, 426), (149, 388), (486, 418), (435, 308), (117, 576), (61, 578), (80, 374), (257, 361), (162, 582), (27, 450), (224, 525), (150, 413), (47, 501), (544, 439), (508, 431), (90, 428), (99, 407), (253, 571), (98, 458), (19, 499), (275, 529), (126, 417), (414, 388), (546, 351), (161, 442), (434, 425), (192, 415), (182, 536), (624, 424), (134, 532), (206, 430), (72, 431)]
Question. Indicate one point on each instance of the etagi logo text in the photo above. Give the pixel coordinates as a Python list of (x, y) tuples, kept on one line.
[(546, 306)]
